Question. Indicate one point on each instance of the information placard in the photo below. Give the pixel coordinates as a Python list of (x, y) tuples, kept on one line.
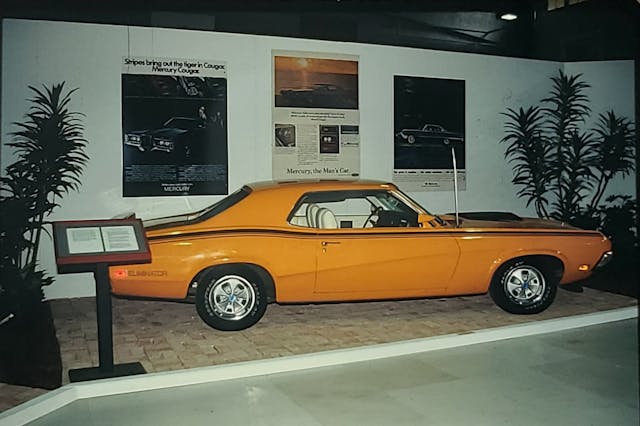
[(81, 244), (93, 246), (84, 240)]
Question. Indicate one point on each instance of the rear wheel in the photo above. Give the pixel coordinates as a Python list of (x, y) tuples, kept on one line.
[(523, 287), (230, 298)]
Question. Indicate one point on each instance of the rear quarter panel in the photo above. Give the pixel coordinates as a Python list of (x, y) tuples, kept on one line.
[(176, 261)]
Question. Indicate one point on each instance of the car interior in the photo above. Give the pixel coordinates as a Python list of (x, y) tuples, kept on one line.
[(357, 210)]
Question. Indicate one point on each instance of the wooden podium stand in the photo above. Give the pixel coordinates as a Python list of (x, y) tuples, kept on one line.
[(93, 246)]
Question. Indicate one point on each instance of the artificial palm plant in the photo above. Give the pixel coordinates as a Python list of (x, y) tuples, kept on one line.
[(614, 152), (556, 163), (566, 109), (564, 170), (49, 146), (50, 149)]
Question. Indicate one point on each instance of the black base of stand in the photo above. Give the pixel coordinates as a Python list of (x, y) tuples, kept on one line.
[(94, 373)]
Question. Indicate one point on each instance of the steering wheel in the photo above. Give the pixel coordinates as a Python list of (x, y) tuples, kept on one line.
[(374, 212)]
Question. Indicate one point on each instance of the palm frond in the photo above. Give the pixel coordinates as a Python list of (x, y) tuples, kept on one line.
[(49, 146), (527, 151), (614, 151)]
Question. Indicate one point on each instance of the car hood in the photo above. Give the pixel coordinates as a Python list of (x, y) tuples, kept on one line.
[(162, 132), (167, 132), (503, 220), (298, 90)]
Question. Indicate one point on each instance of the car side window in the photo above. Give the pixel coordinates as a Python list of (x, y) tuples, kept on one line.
[(352, 209)]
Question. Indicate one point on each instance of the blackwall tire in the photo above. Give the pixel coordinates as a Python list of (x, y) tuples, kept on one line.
[(523, 287), (230, 298)]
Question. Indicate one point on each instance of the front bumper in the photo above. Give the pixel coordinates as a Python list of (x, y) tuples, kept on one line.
[(149, 143)]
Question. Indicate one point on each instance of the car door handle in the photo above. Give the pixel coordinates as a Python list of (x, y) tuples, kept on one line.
[(326, 243)]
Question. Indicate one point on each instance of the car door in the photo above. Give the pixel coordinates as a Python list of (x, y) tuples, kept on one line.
[(381, 263)]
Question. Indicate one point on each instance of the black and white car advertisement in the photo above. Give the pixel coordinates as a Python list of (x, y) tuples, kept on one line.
[(174, 127), (429, 128)]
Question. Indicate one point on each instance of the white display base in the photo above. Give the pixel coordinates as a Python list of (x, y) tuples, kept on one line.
[(54, 400)]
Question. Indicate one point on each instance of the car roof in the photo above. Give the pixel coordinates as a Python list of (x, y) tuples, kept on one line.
[(270, 202)]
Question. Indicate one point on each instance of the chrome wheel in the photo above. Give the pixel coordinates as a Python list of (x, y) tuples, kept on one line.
[(232, 297), (525, 285)]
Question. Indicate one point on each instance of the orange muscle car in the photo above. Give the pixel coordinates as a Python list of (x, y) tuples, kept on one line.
[(320, 241)]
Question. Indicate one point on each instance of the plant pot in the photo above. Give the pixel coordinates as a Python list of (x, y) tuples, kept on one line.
[(30, 353)]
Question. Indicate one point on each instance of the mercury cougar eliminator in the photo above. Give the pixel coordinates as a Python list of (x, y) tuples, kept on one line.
[(323, 241)]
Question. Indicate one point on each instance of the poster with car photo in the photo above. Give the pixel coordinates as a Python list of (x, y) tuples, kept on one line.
[(315, 115), (429, 122), (174, 115)]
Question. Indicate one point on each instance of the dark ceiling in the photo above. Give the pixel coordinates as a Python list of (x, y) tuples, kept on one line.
[(590, 30)]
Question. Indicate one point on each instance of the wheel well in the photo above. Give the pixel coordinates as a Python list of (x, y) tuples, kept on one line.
[(550, 265), (262, 273)]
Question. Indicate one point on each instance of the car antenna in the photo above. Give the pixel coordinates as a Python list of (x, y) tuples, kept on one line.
[(455, 186)]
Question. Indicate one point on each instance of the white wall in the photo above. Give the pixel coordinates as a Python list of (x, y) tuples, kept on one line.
[(89, 56)]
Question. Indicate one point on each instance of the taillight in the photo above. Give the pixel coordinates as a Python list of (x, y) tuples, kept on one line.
[(120, 273)]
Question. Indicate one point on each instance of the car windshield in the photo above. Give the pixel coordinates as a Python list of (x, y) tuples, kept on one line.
[(416, 206), (388, 202), (410, 202)]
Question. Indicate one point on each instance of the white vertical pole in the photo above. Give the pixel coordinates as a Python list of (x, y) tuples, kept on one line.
[(455, 185)]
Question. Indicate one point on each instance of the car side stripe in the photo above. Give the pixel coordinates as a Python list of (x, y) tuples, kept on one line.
[(444, 232)]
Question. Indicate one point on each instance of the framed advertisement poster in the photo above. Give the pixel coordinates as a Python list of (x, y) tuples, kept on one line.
[(316, 120), (174, 114), (429, 128)]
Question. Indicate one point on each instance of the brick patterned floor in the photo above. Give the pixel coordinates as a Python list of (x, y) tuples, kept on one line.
[(169, 336)]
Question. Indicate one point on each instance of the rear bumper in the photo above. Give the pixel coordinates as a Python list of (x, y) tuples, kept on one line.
[(604, 259)]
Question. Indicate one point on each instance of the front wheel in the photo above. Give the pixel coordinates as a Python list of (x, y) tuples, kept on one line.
[(523, 287), (230, 298)]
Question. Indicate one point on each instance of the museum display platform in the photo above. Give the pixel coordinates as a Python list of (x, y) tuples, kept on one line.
[(528, 380), (166, 336)]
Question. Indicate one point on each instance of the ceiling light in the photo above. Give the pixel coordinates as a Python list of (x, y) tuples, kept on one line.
[(508, 16)]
